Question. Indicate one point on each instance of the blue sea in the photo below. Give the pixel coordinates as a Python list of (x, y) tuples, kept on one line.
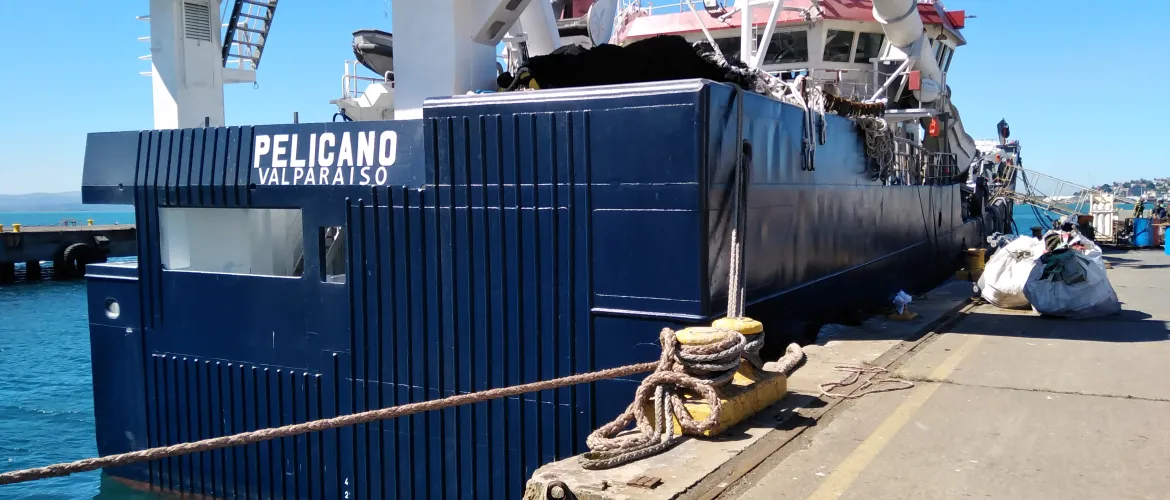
[(46, 403)]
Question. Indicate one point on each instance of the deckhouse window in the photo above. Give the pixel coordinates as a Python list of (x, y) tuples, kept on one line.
[(838, 46), (332, 253), (943, 56), (257, 241), (788, 47), (869, 45)]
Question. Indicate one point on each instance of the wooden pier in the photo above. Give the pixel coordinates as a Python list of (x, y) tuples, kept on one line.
[(68, 247)]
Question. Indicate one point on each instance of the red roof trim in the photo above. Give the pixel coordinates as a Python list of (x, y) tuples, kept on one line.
[(958, 18)]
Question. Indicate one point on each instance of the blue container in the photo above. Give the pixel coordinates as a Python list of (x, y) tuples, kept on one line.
[(1142, 233)]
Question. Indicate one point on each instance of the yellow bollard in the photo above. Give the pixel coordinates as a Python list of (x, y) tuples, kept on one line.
[(16, 228), (749, 328), (89, 221), (976, 258), (749, 391), (1, 228), (745, 326)]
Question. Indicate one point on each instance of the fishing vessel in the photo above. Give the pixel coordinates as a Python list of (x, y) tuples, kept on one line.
[(468, 223)]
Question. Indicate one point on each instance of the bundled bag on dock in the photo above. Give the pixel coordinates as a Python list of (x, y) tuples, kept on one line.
[(1087, 248), (1007, 272), (1067, 282)]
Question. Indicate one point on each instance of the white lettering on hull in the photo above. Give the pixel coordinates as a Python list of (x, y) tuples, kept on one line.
[(361, 158)]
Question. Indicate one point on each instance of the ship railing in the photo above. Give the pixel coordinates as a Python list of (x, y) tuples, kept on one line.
[(351, 81), (909, 162), (852, 84), (941, 168), (915, 166)]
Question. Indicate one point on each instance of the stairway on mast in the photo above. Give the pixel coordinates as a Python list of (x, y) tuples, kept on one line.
[(246, 33)]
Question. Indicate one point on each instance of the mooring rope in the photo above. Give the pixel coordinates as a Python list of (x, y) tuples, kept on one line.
[(65, 469), (879, 376)]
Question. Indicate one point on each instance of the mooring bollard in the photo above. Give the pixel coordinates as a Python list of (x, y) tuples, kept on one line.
[(89, 221), (16, 228)]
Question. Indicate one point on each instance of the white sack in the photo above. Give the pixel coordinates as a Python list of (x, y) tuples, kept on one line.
[(1005, 275)]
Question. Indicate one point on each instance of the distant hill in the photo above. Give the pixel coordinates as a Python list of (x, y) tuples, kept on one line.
[(54, 202)]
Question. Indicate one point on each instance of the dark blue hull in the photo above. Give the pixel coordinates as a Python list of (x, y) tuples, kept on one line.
[(507, 239)]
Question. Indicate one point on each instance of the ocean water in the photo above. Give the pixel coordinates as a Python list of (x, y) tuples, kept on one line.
[(46, 399), (46, 402)]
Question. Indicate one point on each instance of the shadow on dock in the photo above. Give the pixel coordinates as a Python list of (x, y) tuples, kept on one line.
[(1127, 326)]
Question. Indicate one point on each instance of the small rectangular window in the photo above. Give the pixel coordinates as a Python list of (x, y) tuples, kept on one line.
[(947, 64), (333, 254), (838, 46), (787, 48), (868, 47), (257, 241)]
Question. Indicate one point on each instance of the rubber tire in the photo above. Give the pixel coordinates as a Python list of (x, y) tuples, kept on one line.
[(75, 258)]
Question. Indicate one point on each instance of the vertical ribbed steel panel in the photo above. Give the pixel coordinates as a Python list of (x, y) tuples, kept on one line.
[(476, 280)]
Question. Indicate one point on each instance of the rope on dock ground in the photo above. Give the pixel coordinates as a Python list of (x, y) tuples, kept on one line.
[(879, 376), (89, 464)]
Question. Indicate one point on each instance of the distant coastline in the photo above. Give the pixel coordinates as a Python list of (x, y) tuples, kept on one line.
[(54, 202)]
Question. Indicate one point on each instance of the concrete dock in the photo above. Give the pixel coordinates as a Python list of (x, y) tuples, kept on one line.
[(1005, 404), (69, 247)]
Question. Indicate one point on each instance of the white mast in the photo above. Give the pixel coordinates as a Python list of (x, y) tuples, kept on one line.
[(187, 71)]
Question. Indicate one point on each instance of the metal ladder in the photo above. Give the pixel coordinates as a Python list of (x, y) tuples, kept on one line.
[(247, 32)]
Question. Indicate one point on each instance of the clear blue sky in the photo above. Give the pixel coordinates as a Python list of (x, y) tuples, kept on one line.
[(1080, 83)]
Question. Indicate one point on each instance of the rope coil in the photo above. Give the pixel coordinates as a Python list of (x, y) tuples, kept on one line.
[(660, 389), (700, 369), (879, 145)]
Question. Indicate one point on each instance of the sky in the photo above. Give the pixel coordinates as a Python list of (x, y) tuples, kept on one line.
[(1079, 83)]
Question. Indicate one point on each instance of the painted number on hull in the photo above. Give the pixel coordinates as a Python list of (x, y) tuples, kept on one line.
[(359, 158), (347, 487)]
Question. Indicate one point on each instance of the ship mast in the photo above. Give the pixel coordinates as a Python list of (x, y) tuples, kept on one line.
[(191, 60)]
